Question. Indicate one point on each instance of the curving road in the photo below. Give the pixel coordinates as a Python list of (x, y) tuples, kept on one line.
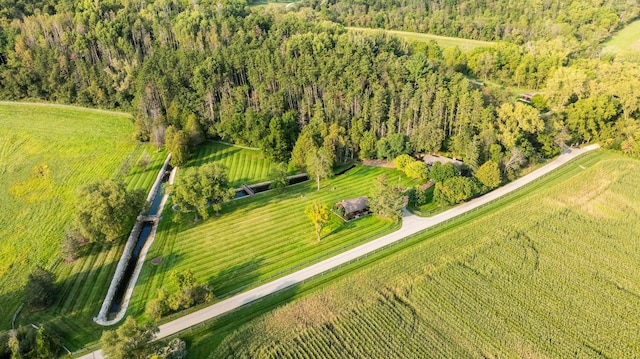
[(411, 224)]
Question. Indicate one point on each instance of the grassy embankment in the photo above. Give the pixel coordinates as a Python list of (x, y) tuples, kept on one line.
[(46, 153), (626, 39), (559, 284)]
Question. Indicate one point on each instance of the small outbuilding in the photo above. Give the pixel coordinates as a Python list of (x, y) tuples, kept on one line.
[(352, 208)]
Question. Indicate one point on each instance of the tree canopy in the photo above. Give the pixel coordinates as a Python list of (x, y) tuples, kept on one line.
[(201, 188), (318, 213), (386, 201), (105, 210), (130, 340)]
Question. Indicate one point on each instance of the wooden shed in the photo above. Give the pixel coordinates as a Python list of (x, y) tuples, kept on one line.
[(352, 208)]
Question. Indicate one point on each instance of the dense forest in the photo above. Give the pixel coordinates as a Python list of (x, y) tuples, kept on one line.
[(579, 24), (270, 79)]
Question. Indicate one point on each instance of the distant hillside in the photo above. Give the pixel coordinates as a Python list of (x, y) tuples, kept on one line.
[(578, 21)]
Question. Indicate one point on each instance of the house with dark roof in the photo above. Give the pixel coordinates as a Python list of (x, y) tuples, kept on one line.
[(352, 208)]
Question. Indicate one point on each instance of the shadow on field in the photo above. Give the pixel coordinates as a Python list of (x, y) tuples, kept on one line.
[(235, 277), (78, 300), (11, 301)]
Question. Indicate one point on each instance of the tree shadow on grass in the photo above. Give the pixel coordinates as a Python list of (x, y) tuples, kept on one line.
[(78, 300), (233, 278)]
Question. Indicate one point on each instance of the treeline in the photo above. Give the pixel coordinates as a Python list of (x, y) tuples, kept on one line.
[(581, 23), (255, 78), (197, 70)]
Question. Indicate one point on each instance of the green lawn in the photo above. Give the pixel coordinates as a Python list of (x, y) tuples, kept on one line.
[(46, 153), (561, 283), (626, 39), (259, 238), (244, 166), (443, 41)]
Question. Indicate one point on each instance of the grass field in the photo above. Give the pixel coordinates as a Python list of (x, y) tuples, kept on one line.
[(626, 39), (83, 284), (46, 153), (260, 237), (560, 284), (244, 166), (443, 41)]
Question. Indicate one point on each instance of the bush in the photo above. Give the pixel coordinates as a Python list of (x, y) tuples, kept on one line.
[(440, 172), (456, 190), (417, 170), (402, 161)]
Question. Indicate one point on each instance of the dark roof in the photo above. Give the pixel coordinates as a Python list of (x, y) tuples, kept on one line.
[(353, 205), (431, 159)]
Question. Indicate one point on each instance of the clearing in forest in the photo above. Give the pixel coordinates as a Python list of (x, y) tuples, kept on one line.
[(626, 39), (244, 165), (443, 41)]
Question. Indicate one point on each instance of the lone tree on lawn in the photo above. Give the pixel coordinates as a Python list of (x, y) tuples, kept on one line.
[(105, 209), (319, 163), (386, 200), (319, 215), (130, 340), (200, 188), (40, 290)]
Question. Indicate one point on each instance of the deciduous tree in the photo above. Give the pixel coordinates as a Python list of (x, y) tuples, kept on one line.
[(105, 210), (319, 164), (130, 340), (386, 200), (319, 215), (489, 174), (202, 188)]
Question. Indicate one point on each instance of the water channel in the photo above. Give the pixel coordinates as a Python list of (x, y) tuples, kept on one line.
[(147, 226), (129, 266)]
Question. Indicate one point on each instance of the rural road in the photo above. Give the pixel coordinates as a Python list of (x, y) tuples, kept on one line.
[(410, 224)]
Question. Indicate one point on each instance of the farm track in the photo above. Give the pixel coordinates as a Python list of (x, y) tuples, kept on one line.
[(411, 225)]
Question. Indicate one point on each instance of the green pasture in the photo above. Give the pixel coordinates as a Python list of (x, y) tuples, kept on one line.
[(46, 153), (626, 39), (443, 41), (560, 284), (244, 165)]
